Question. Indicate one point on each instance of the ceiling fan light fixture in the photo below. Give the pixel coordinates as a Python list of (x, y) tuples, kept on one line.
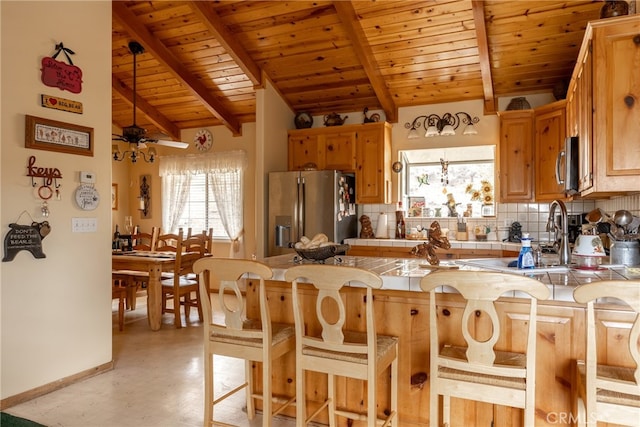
[(134, 134)]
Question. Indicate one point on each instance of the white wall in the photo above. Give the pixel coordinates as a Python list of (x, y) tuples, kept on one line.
[(56, 311), (274, 118)]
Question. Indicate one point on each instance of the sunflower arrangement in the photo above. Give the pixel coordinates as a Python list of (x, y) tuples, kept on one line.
[(484, 194)]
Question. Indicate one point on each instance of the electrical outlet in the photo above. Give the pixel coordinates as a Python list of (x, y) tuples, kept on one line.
[(84, 225)]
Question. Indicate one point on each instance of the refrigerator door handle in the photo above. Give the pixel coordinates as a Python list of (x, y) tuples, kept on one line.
[(301, 207)]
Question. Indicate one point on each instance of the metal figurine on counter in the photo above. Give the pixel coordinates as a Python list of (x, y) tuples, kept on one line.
[(436, 240), (367, 229)]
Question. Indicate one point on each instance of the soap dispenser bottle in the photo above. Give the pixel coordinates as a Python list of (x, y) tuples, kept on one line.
[(525, 259)]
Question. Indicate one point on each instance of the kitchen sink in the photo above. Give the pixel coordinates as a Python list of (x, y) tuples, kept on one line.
[(502, 264)]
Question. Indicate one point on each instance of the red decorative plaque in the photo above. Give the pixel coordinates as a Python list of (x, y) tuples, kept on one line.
[(61, 75)]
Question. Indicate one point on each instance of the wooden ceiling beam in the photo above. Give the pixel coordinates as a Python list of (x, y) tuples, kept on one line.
[(161, 53), (490, 102), (156, 117), (227, 40), (364, 53)]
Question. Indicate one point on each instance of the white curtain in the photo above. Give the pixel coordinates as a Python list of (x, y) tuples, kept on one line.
[(226, 170), (176, 189), (226, 182)]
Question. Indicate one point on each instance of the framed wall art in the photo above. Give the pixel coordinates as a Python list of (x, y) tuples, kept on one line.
[(114, 197), (52, 135)]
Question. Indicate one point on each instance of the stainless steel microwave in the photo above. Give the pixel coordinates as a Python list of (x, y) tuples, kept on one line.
[(567, 170)]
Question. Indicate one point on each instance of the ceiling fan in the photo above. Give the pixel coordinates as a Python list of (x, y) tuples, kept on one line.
[(134, 134)]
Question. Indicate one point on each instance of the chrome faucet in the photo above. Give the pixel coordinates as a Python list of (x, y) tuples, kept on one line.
[(563, 250)]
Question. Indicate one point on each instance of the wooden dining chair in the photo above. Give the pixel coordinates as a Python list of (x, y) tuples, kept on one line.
[(605, 392), (205, 235), (477, 371), (230, 333), (133, 279), (324, 344), (119, 291), (179, 287), (142, 241)]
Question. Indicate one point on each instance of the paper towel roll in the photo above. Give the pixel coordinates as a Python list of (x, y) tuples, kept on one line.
[(381, 229)]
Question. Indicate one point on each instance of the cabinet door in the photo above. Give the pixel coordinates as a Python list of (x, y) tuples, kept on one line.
[(549, 141), (516, 156), (584, 111), (617, 106), (373, 164), (339, 150), (303, 151)]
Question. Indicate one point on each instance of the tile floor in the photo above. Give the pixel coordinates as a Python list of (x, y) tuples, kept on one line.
[(157, 382)]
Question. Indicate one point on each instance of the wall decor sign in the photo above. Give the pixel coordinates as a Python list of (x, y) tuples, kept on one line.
[(51, 135), (25, 238), (145, 197), (61, 104), (58, 74)]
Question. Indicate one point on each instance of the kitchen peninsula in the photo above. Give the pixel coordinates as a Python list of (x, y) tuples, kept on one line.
[(402, 310)]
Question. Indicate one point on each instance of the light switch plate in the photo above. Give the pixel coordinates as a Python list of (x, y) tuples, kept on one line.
[(87, 178)]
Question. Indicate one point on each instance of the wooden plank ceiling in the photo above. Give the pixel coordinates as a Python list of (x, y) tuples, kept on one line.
[(204, 60)]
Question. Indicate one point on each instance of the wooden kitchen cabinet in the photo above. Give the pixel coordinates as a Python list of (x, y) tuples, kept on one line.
[(611, 52), (580, 115), (339, 150), (304, 150), (373, 163), (515, 176), (550, 131), (364, 149)]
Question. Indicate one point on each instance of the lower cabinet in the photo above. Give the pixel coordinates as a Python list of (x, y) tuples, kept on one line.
[(560, 341)]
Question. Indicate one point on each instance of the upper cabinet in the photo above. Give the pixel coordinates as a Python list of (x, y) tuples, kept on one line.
[(363, 149), (515, 173), (604, 107), (373, 163), (304, 151), (550, 130)]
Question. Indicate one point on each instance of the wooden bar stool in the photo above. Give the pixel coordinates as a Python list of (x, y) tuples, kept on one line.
[(605, 392), (335, 350), (230, 333), (477, 371)]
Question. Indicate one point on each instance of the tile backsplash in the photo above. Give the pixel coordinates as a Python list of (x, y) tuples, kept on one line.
[(532, 216)]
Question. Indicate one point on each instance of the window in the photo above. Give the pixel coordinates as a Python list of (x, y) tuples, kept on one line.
[(205, 191), (200, 208), (450, 181)]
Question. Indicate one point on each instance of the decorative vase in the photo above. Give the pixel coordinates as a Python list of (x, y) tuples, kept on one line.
[(519, 103), (613, 8)]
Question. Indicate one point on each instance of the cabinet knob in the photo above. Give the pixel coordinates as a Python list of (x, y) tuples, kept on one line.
[(636, 39)]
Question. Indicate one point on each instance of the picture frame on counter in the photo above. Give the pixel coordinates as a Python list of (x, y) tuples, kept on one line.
[(52, 135)]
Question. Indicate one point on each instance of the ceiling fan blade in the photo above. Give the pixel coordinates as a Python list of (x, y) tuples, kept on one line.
[(169, 143), (116, 137)]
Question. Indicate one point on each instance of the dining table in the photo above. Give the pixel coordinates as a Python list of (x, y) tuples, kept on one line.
[(154, 263)]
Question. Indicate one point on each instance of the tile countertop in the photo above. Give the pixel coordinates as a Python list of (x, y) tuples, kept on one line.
[(405, 274), (455, 244)]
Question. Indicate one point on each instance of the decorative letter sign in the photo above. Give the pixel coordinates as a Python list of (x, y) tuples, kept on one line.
[(60, 75)]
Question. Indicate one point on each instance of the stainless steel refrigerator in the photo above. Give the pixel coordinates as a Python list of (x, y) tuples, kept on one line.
[(309, 202)]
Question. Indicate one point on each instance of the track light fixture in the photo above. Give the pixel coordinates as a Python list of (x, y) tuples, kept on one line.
[(446, 125), (134, 153)]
